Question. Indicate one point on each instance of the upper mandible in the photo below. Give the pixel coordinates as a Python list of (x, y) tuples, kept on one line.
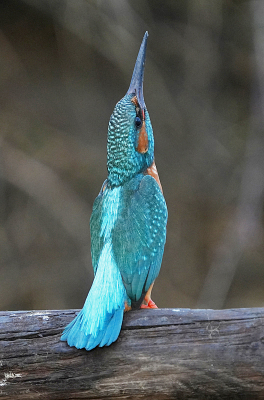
[(136, 84)]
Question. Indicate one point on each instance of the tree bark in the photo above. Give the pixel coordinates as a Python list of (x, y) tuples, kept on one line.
[(160, 354)]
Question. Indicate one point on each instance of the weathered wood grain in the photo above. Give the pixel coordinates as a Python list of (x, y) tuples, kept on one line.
[(160, 354)]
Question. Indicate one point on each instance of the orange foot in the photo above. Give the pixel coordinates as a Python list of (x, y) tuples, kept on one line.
[(150, 304), (147, 302)]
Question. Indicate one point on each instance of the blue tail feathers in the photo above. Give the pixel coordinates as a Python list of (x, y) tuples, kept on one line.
[(100, 320), (75, 335)]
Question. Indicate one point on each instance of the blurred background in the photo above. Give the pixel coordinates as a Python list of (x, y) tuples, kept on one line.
[(63, 67)]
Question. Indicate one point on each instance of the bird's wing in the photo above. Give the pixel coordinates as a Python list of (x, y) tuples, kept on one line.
[(139, 235), (97, 241)]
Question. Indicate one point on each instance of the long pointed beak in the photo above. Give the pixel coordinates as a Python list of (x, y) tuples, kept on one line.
[(136, 84)]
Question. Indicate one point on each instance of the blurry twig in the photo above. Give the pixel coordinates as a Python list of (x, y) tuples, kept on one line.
[(42, 184), (245, 226)]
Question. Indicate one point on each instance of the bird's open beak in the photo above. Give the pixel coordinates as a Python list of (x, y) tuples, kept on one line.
[(136, 84)]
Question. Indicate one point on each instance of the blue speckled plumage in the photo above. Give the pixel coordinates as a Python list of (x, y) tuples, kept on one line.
[(128, 223), (123, 161)]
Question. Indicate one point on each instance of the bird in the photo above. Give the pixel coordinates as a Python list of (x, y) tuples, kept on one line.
[(128, 223)]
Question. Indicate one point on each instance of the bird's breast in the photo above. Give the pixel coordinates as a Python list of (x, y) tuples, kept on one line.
[(152, 171)]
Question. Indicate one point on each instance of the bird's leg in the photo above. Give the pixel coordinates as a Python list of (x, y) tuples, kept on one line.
[(147, 302), (127, 307)]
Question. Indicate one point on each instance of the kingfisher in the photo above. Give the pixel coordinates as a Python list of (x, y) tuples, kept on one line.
[(128, 223)]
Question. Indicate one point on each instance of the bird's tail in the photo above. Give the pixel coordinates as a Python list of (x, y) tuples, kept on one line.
[(99, 322)]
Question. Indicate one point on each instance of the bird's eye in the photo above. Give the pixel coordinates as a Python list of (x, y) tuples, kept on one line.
[(138, 122)]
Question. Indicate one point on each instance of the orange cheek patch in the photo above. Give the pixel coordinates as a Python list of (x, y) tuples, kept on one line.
[(135, 101), (142, 146)]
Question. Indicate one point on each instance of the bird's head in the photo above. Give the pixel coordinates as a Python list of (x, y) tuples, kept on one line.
[(130, 144)]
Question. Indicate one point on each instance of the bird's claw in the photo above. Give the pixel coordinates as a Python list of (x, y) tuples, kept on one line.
[(150, 304)]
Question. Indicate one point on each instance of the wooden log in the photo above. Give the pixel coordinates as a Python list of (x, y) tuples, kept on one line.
[(160, 354)]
